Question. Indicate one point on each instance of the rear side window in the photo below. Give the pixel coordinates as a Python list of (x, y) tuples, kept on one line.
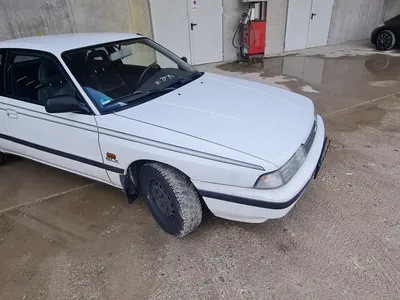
[(35, 78), (22, 58)]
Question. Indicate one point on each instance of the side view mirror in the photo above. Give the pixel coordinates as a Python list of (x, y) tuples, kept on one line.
[(64, 104), (184, 58)]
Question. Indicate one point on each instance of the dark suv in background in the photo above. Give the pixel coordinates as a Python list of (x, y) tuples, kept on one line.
[(387, 34)]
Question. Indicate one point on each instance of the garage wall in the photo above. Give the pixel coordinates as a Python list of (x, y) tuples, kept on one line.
[(392, 9), (20, 18), (233, 10), (276, 25), (354, 19), (351, 19)]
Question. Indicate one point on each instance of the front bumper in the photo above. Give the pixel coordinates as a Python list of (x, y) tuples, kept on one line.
[(256, 205)]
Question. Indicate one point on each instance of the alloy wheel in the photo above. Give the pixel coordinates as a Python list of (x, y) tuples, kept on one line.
[(384, 40)]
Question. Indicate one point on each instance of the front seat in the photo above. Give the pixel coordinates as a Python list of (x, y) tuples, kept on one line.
[(103, 79), (53, 83)]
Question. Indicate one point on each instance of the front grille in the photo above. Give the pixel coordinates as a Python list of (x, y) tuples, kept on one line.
[(311, 137)]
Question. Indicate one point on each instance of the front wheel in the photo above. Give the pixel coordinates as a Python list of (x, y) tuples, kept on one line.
[(385, 40), (171, 198)]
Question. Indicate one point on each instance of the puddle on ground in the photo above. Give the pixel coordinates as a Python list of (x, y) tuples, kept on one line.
[(333, 83), (372, 70)]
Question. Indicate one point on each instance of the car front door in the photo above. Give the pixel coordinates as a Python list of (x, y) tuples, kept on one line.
[(65, 140)]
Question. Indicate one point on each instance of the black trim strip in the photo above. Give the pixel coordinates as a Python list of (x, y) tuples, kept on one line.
[(61, 123), (47, 115), (266, 204), (253, 202), (177, 149), (63, 154)]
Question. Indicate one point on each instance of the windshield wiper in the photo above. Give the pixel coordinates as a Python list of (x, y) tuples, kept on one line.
[(171, 87), (149, 92), (139, 95), (190, 77), (144, 93)]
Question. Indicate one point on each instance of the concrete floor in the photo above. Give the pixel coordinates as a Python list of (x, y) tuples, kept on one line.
[(64, 237)]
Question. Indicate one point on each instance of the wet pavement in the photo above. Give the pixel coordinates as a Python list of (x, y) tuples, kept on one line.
[(333, 83), (65, 237)]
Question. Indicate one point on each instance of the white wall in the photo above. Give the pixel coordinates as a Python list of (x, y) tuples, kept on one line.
[(233, 10), (354, 19), (351, 20), (276, 25)]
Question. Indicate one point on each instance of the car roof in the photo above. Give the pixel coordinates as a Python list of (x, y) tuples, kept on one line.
[(59, 43)]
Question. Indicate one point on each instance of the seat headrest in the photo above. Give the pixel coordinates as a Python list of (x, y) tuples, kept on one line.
[(49, 73), (98, 59)]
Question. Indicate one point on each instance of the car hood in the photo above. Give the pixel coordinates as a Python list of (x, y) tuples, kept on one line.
[(262, 121)]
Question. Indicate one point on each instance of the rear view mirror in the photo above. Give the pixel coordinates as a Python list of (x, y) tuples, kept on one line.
[(64, 104), (184, 58), (124, 52)]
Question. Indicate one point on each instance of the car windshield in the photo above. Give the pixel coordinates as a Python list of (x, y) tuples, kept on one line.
[(123, 74)]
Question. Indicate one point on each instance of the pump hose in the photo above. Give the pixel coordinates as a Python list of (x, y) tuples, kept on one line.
[(234, 37), (237, 30)]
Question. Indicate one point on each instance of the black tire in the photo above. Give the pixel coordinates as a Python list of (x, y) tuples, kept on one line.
[(385, 40), (171, 198)]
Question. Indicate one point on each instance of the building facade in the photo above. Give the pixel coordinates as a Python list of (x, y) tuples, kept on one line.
[(201, 30)]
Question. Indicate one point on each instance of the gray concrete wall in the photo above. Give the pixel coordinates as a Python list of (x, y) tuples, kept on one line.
[(392, 8), (276, 26), (233, 10), (20, 18), (354, 19)]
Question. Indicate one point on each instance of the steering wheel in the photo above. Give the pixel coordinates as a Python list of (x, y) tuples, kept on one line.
[(147, 70)]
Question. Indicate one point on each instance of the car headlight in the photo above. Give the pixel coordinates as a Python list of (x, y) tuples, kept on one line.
[(381, 25), (283, 175)]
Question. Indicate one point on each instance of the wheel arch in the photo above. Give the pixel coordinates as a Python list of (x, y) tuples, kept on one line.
[(130, 182)]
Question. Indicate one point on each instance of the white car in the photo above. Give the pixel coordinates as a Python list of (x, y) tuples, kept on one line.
[(123, 110)]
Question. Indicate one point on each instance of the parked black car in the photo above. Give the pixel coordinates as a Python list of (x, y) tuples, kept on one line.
[(387, 34)]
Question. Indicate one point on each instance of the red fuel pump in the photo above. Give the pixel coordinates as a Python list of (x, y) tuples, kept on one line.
[(255, 42), (252, 33)]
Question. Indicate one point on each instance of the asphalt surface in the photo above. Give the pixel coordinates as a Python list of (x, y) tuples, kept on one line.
[(65, 237)]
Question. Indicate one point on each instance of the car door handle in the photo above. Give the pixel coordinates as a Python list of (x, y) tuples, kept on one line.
[(312, 15), (192, 25), (12, 114)]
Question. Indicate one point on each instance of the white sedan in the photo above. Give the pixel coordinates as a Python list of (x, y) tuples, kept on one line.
[(123, 110)]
